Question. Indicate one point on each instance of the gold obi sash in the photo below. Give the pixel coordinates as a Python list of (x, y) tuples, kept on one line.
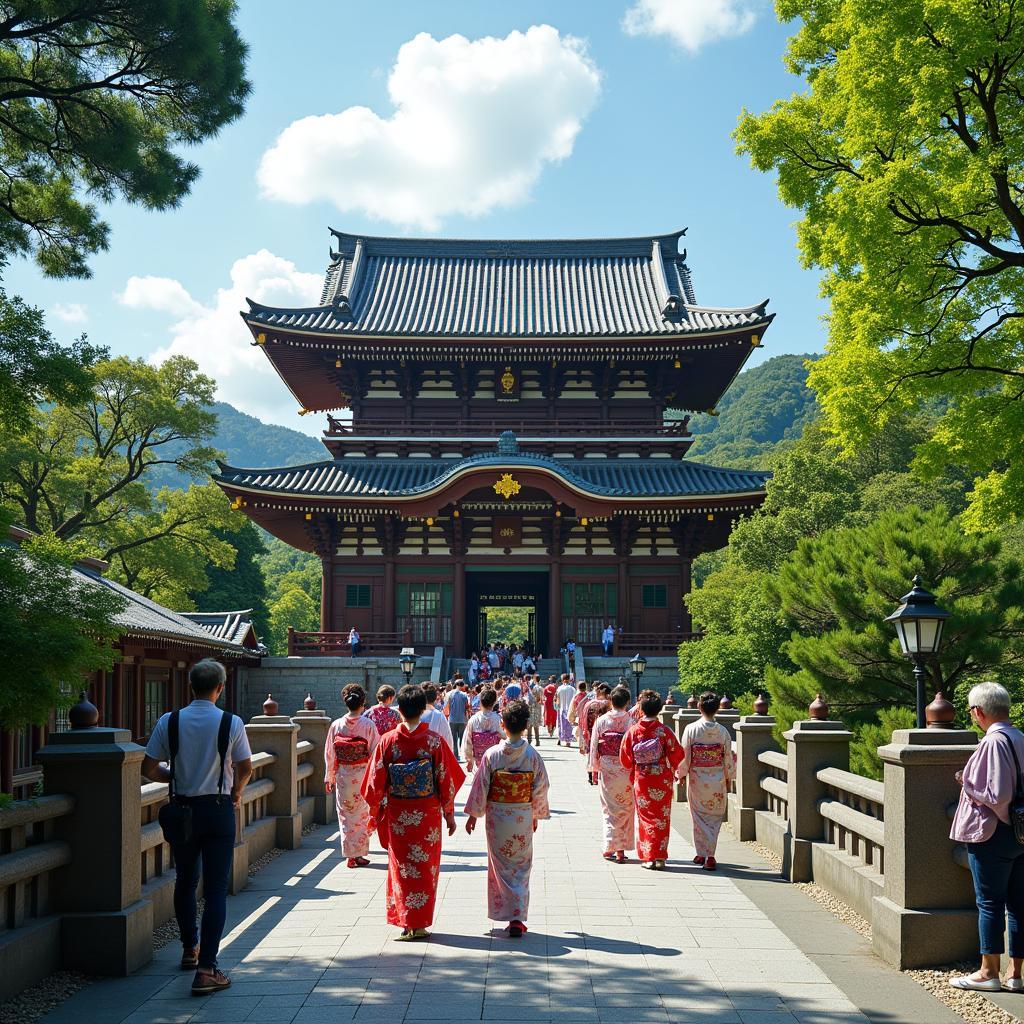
[(511, 787)]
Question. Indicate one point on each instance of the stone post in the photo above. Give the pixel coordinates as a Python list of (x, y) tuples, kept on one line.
[(106, 928), (313, 726), (753, 735), (278, 734), (682, 719), (811, 745), (927, 913), (729, 719)]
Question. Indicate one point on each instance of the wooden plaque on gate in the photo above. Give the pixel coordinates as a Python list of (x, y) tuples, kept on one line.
[(506, 531)]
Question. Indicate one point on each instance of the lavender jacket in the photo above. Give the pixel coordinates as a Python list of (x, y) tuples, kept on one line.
[(989, 783)]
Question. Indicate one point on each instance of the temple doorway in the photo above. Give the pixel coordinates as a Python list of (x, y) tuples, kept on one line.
[(506, 605)]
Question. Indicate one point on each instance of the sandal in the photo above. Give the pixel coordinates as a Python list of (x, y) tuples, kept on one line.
[(207, 981), (516, 930), (659, 865), (647, 864), (412, 934), (620, 857), (190, 958), (710, 864), (609, 856), (698, 859)]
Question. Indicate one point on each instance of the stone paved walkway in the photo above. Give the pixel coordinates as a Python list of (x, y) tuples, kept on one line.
[(307, 943)]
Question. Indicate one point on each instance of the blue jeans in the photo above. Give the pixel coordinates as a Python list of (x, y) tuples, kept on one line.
[(997, 866), (210, 850), (607, 648)]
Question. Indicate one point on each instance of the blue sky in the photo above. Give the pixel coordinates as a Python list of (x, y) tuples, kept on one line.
[(629, 134)]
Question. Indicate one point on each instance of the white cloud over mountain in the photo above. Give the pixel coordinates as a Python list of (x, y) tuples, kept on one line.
[(212, 333), (475, 122), (690, 24)]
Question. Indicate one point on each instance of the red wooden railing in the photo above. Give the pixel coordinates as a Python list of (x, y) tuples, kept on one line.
[(462, 427), (628, 644), (337, 645)]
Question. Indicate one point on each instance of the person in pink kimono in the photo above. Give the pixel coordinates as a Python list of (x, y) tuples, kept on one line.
[(616, 788), (710, 767), (351, 741), (384, 714), (511, 788), (483, 730)]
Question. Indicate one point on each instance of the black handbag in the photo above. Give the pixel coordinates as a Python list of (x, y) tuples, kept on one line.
[(175, 816), (1017, 805)]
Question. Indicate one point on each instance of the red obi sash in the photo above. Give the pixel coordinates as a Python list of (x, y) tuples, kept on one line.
[(707, 755), (511, 787), (351, 750), (609, 743)]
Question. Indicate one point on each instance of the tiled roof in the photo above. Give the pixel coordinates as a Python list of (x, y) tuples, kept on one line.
[(369, 478), (144, 617), (230, 626), (399, 287)]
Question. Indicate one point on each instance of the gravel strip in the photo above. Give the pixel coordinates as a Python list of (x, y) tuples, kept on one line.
[(972, 1006)]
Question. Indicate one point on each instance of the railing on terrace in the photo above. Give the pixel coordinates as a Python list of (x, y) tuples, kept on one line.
[(259, 790), (854, 815), (593, 430), (627, 644), (327, 644), (776, 782)]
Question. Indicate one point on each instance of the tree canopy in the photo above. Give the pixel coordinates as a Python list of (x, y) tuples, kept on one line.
[(906, 156), (97, 99)]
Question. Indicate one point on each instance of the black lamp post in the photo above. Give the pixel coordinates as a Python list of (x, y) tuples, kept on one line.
[(919, 621), (638, 663), (407, 662)]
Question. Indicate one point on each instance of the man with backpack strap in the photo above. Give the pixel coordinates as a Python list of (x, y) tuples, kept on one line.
[(209, 764)]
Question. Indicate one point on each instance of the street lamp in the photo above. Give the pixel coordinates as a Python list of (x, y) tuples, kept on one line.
[(919, 621), (638, 663), (407, 662)]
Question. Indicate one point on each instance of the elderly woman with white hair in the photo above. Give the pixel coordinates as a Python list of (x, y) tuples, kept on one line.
[(989, 781)]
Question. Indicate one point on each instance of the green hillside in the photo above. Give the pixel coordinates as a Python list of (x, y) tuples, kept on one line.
[(766, 404)]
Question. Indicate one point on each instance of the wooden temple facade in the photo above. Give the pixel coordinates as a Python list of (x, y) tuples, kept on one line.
[(506, 424)]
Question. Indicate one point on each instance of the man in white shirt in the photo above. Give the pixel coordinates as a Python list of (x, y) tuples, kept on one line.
[(608, 640), (211, 788), (355, 641), (436, 721), (564, 695)]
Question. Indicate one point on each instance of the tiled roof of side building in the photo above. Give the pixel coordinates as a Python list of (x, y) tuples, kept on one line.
[(400, 287), (382, 478), (231, 626)]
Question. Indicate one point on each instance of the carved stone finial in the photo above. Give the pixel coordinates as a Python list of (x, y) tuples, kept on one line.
[(84, 714), (725, 704), (270, 706), (691, 701), (310, 702), (761, 704), (818, 709), (940, 714), (508, 443)]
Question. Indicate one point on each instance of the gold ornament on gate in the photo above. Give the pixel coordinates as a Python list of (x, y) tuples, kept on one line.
[(507, 486), (508, 381)]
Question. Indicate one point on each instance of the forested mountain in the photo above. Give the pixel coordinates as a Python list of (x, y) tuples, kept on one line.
[(766, 404)]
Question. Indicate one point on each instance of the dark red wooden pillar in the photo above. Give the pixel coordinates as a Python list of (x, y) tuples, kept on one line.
[(459, 609), (116, 718), (685, 582), (622, 615), (6, 762), (390, 623), (327, 594), (554, 609)]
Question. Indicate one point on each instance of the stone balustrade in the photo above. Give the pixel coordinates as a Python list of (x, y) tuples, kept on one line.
[(880, 847), (85, 874)]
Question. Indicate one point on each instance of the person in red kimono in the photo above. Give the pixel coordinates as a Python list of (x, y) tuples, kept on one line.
[(409, 785), (550, 714), (654, 758)]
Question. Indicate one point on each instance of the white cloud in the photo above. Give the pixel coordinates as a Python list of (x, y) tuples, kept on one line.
[(690, 23), (70, 312), (474, 124), (213, 334)]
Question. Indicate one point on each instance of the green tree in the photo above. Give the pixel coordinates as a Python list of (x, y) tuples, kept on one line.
[(285, 568), (241, 586), (54, 633), (724, 658), (79, 473), (98, 98), (835, 590), (906, 156), (295, 608)]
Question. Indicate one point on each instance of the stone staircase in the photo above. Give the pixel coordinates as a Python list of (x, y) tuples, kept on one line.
[(545, 667)]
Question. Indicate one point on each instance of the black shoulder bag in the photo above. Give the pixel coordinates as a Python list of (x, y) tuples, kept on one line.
[(1017, 804), (175, 816)]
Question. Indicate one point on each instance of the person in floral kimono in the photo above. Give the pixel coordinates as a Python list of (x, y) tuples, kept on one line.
[(483, 730), (710, 768), (351, 742), (383, 714), (654, 758), (616, 788), (589, 713), (511, 789), (409, 785)]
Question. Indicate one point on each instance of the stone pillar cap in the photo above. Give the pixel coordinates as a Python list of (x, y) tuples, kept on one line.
[(756, 722), (319, 713), (277, 721), (929, 746), (816, 728)]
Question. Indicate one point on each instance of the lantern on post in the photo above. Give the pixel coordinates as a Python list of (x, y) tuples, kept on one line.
[(638, 663), (919, 621), (407, 663)]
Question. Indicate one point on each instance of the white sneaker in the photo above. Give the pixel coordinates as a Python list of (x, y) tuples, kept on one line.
[(967, 982), (1013, 985)]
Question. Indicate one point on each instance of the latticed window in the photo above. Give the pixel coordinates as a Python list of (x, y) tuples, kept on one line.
[(357, 595), (155, 703), (655, 595), (61, 721)]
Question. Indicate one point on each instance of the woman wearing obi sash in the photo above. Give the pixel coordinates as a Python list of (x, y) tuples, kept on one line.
[(589, 713), (710, 769), (654, 757), (616, 788), (483, 730), (409, 785), (351, 741), (511, 788)]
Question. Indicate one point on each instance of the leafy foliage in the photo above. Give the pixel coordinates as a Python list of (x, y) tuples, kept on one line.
[(906, 157), (242, 585), (293, 580), (295, 608), (869, 736), (54, 633), (98, 98)]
